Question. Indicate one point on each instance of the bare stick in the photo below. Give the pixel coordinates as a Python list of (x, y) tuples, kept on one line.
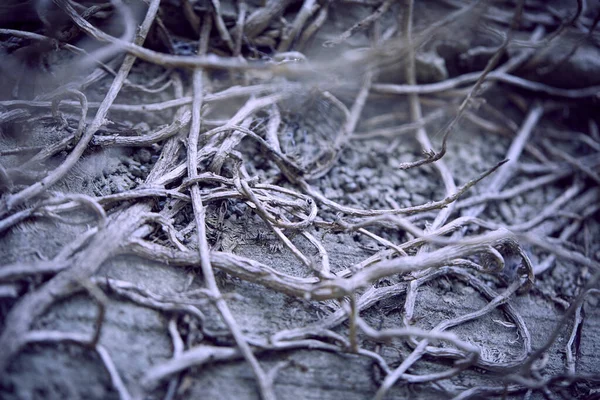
[(223, 32), (146, 140), (313, 26), (239, 26), (259, 19), (306, 11)]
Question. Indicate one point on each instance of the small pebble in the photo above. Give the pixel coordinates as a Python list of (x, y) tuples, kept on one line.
[(145, 156), (350, 186)]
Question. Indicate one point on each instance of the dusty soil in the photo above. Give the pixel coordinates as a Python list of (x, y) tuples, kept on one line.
[(327, 265)]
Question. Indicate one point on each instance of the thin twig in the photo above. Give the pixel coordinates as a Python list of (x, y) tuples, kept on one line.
[(434, 156)]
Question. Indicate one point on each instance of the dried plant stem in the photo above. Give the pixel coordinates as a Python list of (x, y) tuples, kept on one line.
[(499, 76), (200, 215), (306, 11)]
